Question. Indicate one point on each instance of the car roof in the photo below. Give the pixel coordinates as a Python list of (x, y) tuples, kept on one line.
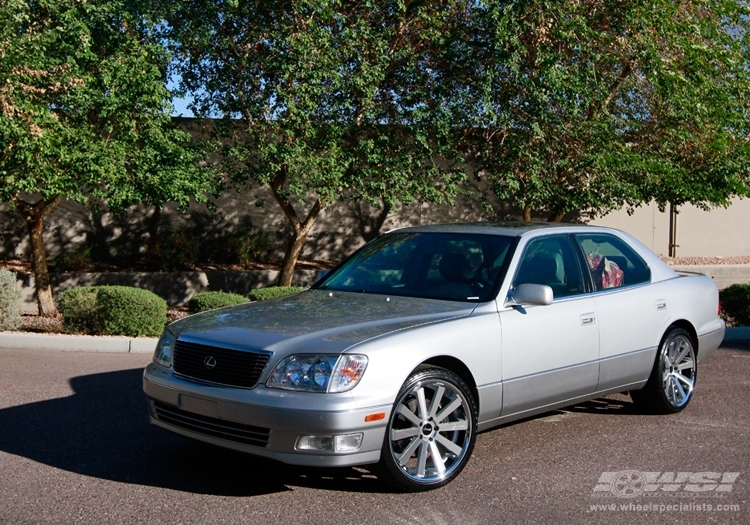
[(508, 228)]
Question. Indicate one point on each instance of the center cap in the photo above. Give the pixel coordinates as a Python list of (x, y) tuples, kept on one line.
[(427, 429)]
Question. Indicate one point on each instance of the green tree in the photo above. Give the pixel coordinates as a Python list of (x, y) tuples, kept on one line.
[(323, 100), (84, 116), (596, 105)]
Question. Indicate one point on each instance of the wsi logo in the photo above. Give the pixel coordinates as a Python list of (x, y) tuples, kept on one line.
[(632, 483)]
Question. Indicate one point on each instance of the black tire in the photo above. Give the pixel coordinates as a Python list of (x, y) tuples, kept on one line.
[(670, 387), (418, 433)]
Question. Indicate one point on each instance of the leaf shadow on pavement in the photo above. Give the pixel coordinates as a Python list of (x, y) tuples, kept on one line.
[(103, 431)]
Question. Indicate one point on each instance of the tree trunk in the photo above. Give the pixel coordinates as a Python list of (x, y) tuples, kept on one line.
[(369, 226), (300, 229), (34, 215), (526, 213), (556, 217)]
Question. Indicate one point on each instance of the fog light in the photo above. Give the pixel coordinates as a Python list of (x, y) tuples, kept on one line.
[(348, 442), (345, 443), (324, 443)]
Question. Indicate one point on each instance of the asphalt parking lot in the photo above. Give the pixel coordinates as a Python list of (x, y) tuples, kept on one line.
[(76, 447)]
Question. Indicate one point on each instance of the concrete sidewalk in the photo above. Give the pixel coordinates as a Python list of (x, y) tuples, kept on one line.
[(145, 345), (77, 343)]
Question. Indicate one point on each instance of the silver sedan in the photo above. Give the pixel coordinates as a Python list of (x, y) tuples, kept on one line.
[(428, 335)]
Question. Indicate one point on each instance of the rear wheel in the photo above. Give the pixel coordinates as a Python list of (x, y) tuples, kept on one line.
[(431, 432), (670, 387)]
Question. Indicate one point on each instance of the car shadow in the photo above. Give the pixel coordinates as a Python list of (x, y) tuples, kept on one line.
[(103, 431)]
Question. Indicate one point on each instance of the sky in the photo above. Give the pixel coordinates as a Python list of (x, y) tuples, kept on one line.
[(180, 108)]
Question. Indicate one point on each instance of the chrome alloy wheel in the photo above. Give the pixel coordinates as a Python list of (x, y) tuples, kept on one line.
[(678, 370), (431, 431)]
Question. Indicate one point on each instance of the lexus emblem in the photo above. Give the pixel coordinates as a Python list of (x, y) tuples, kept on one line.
[(209, 362)]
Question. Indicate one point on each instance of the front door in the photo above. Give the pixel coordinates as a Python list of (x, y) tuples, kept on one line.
[(550, 353)]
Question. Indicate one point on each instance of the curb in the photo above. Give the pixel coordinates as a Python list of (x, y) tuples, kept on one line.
[(739, 333), (147, 345), (78, 343)]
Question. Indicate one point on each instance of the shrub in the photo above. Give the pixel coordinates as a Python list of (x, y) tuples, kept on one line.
[(210, 300), (10, 301), (78, 308), (250, 247), (735, 304), (122, 310), (261, 294), (175, 251), (72, 261)]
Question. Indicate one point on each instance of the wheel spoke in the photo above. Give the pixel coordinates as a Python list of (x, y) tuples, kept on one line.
[(454, 425), (450, 445), (436, 401), (685, 365), (453, 405), (679, 378), (683, 350), (403, 433), (669, 389), (436, 458), (422, 403), (408, 414), (422, 462), (404, 457), (678, 386)]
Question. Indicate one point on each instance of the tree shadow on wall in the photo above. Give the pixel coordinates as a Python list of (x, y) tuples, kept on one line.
[(103, 431)]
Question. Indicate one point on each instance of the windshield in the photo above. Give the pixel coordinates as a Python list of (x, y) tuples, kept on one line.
[(451, 266)]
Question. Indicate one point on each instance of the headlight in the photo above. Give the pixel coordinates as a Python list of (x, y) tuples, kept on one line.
[(164, 349), (318, 373)]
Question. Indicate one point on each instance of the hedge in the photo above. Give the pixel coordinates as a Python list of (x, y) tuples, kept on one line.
[(10, 301), (78, 308), (122, 310), (261, 294), (735, 304), (113, 310), (210, 300)]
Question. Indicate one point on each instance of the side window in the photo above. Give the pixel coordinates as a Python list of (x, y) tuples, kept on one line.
[(551, 261), (612, 262)]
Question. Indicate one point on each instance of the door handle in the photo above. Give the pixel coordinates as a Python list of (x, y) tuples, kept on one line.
[(661, 304), (587, 319)]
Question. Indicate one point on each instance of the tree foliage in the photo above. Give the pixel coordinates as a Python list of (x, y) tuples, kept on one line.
[(324, 100), (596, 105), (85, 115)]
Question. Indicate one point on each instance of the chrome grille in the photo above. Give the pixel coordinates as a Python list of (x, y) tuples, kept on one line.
[(209, 426), (229, 367)]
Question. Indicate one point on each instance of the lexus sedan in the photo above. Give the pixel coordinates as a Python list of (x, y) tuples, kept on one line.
[(430, 334)]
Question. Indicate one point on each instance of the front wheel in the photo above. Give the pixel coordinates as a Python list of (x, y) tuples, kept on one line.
[(670, 387), (431, 432)]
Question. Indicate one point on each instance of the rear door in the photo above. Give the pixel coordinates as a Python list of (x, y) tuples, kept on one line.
[(633, 313)]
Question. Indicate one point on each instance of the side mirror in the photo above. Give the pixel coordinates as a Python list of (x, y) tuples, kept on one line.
[(530, 295)]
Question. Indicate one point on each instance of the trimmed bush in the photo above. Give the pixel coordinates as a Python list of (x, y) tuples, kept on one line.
[(122, 310), (261, 294), (210, 300), (735, 304), (78, 308), (10, 301)]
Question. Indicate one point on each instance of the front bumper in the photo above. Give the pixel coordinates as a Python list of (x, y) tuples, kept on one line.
[(262, 421)]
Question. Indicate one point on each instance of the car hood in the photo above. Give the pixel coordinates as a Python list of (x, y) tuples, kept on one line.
[(313, 321)]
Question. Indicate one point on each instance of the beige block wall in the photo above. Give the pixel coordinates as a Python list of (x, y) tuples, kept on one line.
[(720, 232)]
